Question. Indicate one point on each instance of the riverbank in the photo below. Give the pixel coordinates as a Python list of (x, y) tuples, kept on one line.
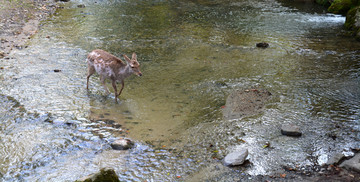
[(348, 8), (19, 20)]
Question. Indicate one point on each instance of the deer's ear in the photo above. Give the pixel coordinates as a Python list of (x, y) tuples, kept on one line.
[(134, 56), (126, 58)]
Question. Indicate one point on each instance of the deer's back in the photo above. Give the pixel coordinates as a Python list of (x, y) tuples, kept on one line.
[(105, 63)]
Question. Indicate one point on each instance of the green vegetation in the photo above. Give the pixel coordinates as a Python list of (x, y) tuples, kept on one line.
[(340, 6)]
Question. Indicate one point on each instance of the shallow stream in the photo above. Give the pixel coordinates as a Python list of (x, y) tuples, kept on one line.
[(193, 54)]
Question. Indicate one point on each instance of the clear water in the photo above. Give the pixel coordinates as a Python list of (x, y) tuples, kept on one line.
[(192, 55)]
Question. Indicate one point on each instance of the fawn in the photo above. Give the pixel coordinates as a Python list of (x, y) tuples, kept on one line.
[(112, 67)]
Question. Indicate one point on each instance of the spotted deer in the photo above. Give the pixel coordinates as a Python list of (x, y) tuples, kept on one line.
[(111, 67)]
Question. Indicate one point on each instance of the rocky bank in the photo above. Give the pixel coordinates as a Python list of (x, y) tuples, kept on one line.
[(350, 8), (19, 20)]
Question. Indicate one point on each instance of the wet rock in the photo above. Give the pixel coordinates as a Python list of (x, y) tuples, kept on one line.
[(105, 174), (236, 158), (335, 159), (290, 130), (57, 70), (352, 164), (262, 45), (122, 144)]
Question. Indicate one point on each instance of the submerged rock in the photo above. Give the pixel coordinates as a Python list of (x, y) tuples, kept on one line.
[(105, 174), (352, 164), (290, 130), (241, 103), (262, 45), (122, 144), (236, 158)]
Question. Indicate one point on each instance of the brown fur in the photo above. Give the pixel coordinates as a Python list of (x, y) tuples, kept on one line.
[(112, 67)]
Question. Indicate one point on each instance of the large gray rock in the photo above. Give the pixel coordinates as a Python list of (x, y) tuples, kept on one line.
[(290, 130), (236, 158), (105, 174), (352, 164), (335, 158)]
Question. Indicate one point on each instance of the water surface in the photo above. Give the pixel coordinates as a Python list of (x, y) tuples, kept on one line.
[(192, 55)]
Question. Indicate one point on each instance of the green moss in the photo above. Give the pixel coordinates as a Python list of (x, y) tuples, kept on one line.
[(350, 18), (340, 6), (352, 22)]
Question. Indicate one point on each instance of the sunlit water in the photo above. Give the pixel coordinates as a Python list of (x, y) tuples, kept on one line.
[(192, 55)]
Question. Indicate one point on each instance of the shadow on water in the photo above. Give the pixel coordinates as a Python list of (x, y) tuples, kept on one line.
[(192, 55)]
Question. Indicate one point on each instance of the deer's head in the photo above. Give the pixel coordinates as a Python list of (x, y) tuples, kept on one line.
[(134, 64)]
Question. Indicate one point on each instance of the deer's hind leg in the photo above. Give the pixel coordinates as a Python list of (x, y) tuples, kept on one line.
[(102, 79)]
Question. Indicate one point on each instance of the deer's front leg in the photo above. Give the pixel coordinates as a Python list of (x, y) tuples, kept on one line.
[(122, 87), (115, 90)]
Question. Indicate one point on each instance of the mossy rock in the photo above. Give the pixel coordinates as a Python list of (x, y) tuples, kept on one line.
[(353, 18), (353, 21), (340, 6)]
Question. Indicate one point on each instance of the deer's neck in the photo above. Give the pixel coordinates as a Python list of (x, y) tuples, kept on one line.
[(125, 71)]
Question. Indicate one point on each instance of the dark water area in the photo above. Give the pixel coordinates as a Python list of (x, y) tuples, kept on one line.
[(193, 54)]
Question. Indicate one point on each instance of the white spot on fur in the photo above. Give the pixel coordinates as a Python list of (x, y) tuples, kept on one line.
[(94, 54)]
